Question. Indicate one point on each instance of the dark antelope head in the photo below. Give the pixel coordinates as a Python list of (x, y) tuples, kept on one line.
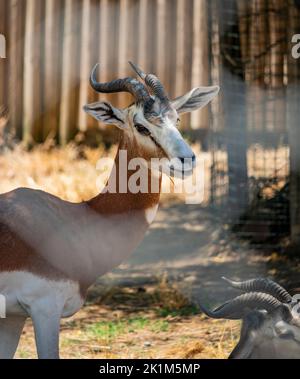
[(270, 320), (152, 121)]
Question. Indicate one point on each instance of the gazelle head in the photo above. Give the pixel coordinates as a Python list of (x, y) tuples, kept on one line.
[(152, 120), (270, 320)]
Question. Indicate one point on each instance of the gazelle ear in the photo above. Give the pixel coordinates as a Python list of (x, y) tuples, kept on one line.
[(106, 113), (195, 99)]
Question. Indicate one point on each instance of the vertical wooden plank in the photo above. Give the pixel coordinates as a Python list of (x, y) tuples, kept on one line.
[(85, 65), (200, 60), (32, 107), (109, 17), (161, 46), (189, 55), (70, 72), (170, 54), (89, 57), (52, 77), (180, 48), (108, 48), (123, 54), (152, 29), (142, 21), (133, 36), (188, 32), (183, 50), (214, 73), (104, 33), (146, 55), (15, 65), (123, 37), (113, 49), (128, 43)]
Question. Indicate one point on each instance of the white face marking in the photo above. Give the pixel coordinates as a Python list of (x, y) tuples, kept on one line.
[(150, 214), (22, 289), (167, 136), (137, 114)]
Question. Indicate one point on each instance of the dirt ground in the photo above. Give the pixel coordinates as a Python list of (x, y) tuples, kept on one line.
[(152, 321), (148, 307)]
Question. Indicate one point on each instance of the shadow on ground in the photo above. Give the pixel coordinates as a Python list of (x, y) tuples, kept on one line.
[(193, 248)]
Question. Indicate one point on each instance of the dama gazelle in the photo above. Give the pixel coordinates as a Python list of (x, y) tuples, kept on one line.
[(51, 250), (270, 320)]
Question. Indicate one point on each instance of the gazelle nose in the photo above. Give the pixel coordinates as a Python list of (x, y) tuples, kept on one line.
[(186, 160)]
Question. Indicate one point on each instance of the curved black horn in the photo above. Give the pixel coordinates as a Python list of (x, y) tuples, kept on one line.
[(131, 85), (238, 307), (153, 83), (262, 285)]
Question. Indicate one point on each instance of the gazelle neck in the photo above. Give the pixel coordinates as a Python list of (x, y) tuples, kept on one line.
[(118, 222), (123, 200)]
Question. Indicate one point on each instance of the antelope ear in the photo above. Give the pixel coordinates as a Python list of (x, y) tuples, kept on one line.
[(106, 113), (195, 99)]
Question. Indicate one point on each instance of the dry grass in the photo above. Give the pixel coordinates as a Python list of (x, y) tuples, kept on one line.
[(68, 172), (149, 322)]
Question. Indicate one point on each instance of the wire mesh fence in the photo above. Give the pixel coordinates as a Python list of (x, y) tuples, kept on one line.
[(254, 124)]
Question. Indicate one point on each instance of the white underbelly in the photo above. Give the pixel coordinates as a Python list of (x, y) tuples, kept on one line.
[(22, 289)]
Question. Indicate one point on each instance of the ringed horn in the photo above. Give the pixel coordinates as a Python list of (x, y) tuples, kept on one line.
[(262, 285), (131, 85), (153, 83), (238, 307)]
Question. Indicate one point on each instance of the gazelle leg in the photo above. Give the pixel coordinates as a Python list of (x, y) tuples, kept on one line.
[(10, 332), (46, 322)]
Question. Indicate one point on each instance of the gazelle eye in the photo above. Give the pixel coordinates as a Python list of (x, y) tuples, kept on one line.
[(142, 130)]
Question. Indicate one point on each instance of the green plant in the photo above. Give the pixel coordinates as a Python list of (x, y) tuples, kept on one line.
[(112, 329)]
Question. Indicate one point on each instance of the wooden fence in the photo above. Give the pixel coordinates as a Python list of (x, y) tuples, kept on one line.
[(53, 44)]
